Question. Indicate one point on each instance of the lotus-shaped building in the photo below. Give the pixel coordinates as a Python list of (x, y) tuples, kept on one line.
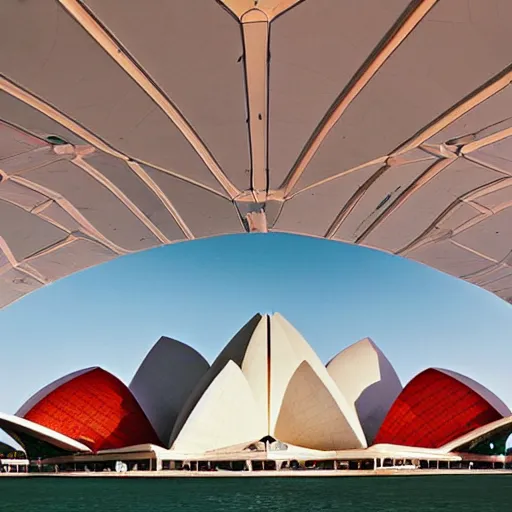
[(267, 396)]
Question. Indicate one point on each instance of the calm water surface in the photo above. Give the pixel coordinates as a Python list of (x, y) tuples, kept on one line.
[(484, 493)]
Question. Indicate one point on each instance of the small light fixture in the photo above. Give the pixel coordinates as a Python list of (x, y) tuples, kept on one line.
[(55, 140)]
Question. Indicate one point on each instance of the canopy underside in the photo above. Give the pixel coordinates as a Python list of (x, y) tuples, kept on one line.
[(126, 125)]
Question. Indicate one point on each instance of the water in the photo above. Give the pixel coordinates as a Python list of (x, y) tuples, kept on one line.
[(477, 493)]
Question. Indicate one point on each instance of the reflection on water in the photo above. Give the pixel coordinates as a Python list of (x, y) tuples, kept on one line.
[(482, 493)]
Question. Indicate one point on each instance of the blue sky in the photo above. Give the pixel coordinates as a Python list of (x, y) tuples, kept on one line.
[(202, 292)]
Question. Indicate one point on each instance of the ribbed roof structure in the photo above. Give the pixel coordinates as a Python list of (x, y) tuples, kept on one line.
[(129, 125)]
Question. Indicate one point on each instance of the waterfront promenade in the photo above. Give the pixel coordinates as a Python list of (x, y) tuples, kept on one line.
[(260, 474)]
